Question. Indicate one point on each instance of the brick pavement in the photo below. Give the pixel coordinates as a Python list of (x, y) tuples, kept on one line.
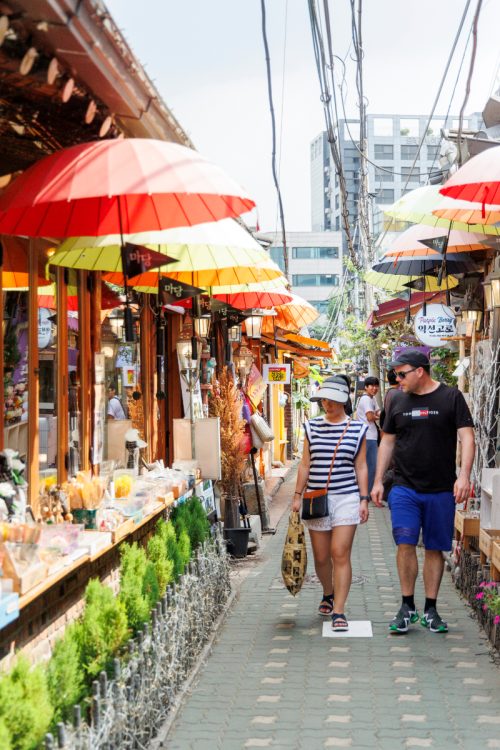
[(273, 681)]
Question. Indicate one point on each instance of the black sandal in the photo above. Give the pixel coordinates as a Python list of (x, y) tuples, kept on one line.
[(339, 622), (325, 608)]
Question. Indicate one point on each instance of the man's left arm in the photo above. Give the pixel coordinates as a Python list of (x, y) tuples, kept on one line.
[(461, 488)]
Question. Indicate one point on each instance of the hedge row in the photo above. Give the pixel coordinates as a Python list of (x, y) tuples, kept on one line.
[(33, 700)]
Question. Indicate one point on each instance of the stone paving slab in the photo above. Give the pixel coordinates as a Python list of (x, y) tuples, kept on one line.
[(273, 681)]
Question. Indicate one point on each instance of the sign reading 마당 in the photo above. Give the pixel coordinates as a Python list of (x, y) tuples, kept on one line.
[(437, 325)]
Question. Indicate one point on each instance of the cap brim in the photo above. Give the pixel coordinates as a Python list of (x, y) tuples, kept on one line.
[(331, 395), (396, 363)]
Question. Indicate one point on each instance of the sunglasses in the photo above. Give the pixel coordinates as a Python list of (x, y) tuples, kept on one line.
[(402, 375)]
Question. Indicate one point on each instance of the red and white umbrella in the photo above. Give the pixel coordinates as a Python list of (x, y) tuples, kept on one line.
[(478, 181), (119, 186)]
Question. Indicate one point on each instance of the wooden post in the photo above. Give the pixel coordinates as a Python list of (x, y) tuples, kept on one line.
[(84, 362), (2, 394), (33, 380), (461, 355), (148, 348), (62, 375), (95, 347)]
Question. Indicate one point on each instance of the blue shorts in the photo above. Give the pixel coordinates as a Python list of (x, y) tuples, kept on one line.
[(433, 512)]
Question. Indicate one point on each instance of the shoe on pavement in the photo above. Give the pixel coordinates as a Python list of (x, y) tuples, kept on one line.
[(432, 620), (403, 619)]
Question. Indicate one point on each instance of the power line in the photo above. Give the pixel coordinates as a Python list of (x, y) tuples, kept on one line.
[(469, 78), (273, 126), (282, 104)]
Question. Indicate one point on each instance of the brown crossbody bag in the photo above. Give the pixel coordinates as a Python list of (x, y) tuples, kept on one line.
[(315, 502)]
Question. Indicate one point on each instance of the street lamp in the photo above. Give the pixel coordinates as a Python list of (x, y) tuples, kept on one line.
[(234, 334), (202, 326)]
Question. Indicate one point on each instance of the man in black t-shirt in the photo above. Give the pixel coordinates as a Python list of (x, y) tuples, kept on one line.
[(420, 436)]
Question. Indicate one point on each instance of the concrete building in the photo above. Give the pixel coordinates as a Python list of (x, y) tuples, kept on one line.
[(393, 142), (314, 261)]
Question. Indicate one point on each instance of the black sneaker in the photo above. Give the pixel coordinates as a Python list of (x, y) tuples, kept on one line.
[(432, 620), (402, 620)]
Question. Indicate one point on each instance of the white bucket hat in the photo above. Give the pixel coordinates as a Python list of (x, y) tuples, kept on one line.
[(334, 389)]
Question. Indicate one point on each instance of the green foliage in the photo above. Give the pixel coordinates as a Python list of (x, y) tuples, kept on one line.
[(132, 572), (150, 586), (25, 708), (184, 546), (164, 567), (65, 674), (169, 537), (5, 742), (103, 628), (443, 365), (191, 517)]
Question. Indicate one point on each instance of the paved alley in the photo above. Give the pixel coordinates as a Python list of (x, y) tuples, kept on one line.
[(272, 680)]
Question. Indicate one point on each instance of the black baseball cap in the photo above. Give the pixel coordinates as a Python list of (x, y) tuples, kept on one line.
[(410, 357)]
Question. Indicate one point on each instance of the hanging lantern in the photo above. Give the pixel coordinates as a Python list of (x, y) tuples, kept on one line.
[(234, 334), (202, 326), (243, 359), (253, 324)]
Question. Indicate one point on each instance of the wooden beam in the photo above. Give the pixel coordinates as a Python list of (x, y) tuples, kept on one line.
[(84, 366), (62, 409), (33, 381)]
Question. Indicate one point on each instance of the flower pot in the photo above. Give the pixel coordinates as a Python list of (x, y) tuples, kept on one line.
[(237, 541)]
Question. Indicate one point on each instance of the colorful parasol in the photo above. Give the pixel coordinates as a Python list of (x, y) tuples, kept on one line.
[(293, 316), (14, 265), (393, 283), (122, 185), (413, 242), (47, 298), (425, 205), (422, 265), (478, 181)]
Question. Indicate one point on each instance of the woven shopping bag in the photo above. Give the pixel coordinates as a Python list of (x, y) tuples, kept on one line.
[(294, 559)]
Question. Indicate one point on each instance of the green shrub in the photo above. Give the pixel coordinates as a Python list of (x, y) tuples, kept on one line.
[(25, 707), (150, 586), (167, 533), (184, 547), (157, 553), (5, 742), (65, 675), (132, 571), (103, 629), (191, 517)]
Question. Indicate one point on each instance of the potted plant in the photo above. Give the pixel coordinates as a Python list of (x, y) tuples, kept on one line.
[(226, 404)]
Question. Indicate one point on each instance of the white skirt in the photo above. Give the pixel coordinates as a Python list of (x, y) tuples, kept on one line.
[(343, 510)]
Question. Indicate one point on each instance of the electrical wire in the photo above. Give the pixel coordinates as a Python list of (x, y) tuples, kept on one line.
[(273, 127), (469, 78), (282, 105), (326, 98)]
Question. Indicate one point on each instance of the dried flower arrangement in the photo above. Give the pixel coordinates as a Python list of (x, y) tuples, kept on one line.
[(226, 404)]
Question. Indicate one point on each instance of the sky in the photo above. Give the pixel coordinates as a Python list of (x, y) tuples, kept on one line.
[(207, 60)]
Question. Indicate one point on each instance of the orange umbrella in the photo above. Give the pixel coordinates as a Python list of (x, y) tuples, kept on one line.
[(293, 316), (15, 266), (478, 181), (470, 215)]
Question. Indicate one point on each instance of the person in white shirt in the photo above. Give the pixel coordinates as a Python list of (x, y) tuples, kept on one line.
[(115, 408), (368, 412)]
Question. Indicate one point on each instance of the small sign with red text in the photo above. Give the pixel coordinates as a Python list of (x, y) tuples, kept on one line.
[(276, 374)]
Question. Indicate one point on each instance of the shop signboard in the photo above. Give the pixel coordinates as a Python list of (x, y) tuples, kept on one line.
[(276, 373), (172, 291), (255, 387), (138, 259), (435, 326)]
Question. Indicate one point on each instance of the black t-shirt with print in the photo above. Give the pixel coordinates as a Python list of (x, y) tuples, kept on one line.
[(426, 437)]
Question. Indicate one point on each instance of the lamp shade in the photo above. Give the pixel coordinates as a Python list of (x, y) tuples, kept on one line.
[(202, 326), (488, 295), (243, 359), (234, 334), (495, 288), (253, 325)]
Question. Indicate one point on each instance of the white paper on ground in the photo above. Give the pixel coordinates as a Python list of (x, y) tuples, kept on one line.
[(357, 629)]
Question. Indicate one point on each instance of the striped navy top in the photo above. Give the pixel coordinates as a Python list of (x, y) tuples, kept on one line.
[(323, 436)]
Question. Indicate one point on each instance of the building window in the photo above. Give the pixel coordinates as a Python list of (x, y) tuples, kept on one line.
[(315, 279), (408, 152), (314, 253), (320, 305), (432, 153), (384, 175), (385, 196), (411, 176), (384, 151), (277, 255)]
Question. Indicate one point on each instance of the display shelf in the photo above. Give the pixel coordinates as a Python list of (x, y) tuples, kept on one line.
[(466, 527), (490, 499), (495, 562)]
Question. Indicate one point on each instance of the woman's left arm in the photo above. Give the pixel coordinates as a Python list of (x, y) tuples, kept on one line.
[(361, 469)]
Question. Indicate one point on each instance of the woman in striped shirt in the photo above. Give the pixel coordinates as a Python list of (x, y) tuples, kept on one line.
[(332, 536)]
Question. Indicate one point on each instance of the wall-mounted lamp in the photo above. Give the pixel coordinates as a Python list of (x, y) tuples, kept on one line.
[(202, 326), (243, 360), (234, 334), (488, 295), (253, 324), (472, 314), (494, 279)]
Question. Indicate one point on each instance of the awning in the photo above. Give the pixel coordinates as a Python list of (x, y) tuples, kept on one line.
[(315, 343), (396, 309), (305, 350)]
